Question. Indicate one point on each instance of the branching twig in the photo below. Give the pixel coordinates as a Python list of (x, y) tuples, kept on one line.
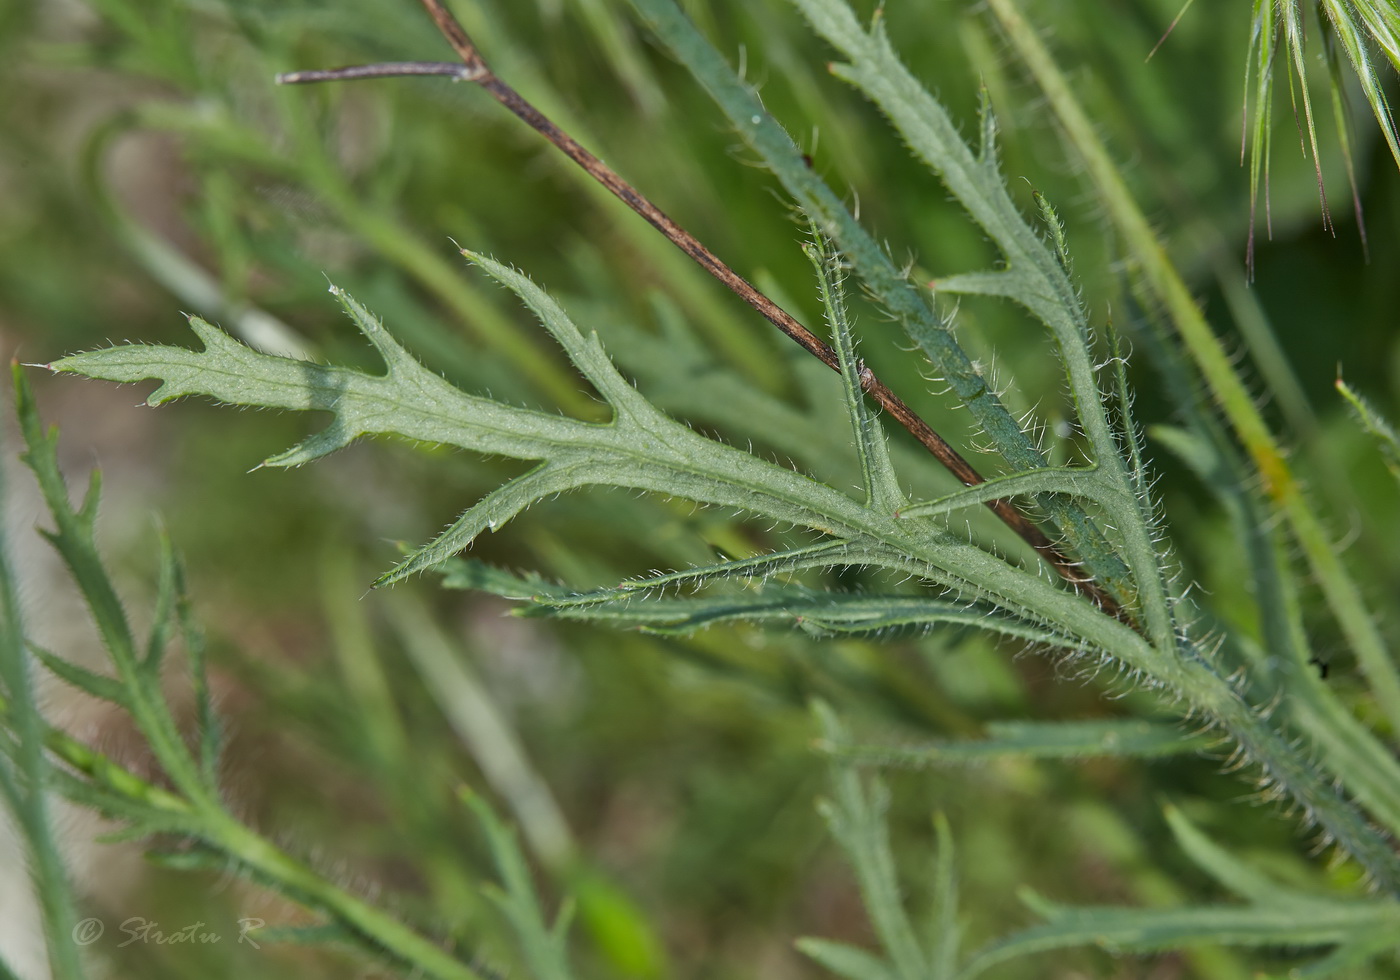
[(474, 69)]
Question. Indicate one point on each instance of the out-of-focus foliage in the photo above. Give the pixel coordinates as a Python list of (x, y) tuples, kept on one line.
[(151, 167)]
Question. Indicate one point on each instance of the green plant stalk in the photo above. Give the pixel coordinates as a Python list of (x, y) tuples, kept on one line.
[(1374, 423), (545, 946), (113, 778), (1145, 931), (381, 931), (74, 542), (1035, 276), (1341, 591), (1210, 696), (195, 804), (856, 815), (28, 795), (878, 477), (1248, 315), (1364, 765), (212, 825), (945, 933)]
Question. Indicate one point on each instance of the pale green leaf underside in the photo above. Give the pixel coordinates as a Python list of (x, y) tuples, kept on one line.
[(640, 448)]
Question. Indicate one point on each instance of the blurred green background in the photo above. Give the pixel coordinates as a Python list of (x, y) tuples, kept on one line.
[(149, 165)]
